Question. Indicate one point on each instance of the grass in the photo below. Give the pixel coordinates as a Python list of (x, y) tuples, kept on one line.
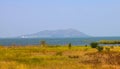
[(59, 57)]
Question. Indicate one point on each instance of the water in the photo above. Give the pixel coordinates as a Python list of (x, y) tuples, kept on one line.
[(53, 41)]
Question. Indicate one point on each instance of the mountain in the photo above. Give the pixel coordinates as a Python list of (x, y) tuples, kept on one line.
[(67, 33)]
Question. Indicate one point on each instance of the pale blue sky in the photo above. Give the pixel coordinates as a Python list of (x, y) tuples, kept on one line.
[(93, 17)]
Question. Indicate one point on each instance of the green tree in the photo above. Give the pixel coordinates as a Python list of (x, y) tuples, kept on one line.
[(69, 45), (94, 44)]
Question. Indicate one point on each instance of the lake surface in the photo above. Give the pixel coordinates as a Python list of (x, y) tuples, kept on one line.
[(53, 41)]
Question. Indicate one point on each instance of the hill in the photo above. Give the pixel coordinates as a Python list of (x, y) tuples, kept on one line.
[(67, 33)]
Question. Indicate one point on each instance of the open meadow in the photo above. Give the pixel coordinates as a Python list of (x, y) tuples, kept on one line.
[(59, 34), (59, 57)]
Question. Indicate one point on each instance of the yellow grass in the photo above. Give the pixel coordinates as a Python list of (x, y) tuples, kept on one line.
[(58, 57)]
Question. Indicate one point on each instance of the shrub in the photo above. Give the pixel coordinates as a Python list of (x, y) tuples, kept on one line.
[(69, 45), (86, 45), (100, 48), (112, 47), (59, 53), (43, 43), (107, 49), (94, 44)]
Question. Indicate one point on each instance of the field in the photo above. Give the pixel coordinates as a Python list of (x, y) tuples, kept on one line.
[(59, 57)]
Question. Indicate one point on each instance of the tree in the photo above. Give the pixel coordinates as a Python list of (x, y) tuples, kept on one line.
[(94, 44), (69, 45), (43, 43)]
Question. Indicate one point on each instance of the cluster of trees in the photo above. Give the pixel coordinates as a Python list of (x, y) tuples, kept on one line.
[(100, 48), (93, 45), (96, 45), (109, 42)]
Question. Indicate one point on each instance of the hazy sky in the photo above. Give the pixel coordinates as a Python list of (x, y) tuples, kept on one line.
[(93, 17)]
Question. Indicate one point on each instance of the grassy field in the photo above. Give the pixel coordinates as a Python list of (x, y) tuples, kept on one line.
[(59, 57)]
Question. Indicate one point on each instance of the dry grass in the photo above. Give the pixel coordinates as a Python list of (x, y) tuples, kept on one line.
[(58, 57)]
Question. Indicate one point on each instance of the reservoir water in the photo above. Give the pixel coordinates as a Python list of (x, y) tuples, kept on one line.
[(53, 41)]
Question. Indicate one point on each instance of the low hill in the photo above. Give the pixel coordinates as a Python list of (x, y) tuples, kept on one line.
[(67, 33)]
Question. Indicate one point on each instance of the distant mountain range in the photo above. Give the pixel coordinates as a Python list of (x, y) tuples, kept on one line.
[(67, 33)]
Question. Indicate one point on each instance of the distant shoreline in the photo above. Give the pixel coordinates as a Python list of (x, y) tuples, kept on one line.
[(53, 41)]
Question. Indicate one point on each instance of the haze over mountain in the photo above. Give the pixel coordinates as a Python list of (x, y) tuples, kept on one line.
[(67, 33)]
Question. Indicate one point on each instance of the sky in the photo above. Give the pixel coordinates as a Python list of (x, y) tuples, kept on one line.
[(93, 17)]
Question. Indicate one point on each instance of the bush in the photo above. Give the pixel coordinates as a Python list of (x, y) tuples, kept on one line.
[(94, 44), (100, 48), (59, 53), (107, 49), (86, 45), (43, 43), (112, 47), (69, 45)]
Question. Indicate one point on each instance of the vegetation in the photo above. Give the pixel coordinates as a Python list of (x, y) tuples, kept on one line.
[(109, 42), (59, 57), (94, 44), (43, 43), (107, 49), (69, 45), (100, 48)]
